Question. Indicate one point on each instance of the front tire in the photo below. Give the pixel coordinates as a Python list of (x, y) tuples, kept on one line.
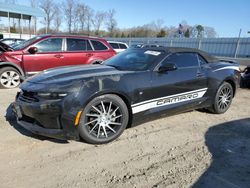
[(9, 78), (103, 119), (223, 99)]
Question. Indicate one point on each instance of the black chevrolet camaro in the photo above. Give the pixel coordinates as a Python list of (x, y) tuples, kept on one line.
[(96, 103)]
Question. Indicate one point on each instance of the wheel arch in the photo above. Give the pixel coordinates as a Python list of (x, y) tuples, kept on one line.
[(122, 95), (96, 61), (127, 102), (232, 83), (13, 65)]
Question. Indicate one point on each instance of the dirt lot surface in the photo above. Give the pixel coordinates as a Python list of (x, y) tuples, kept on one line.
[(196, 149)]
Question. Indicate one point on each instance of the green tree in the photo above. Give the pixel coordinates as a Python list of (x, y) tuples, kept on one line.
[(200, 30), (117, 34), (123, 35), (187, 33), (162, 33)]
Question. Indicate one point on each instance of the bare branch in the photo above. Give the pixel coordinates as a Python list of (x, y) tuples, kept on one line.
[(98, 20), (81, 13), (69, 9), (57, 19), (48, 8), (89, 17), (111, 22)]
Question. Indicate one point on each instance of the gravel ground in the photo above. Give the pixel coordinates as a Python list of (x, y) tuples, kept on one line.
[(196, 149)]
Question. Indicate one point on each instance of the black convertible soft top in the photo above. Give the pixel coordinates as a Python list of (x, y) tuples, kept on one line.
[(209, 58)]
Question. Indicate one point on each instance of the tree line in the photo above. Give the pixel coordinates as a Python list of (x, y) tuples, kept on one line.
[(79, 18)]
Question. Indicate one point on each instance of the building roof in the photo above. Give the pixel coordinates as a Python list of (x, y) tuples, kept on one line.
[(17, 10)]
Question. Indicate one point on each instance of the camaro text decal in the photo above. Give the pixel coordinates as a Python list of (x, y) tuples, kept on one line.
[(173, 100), (168, 100)]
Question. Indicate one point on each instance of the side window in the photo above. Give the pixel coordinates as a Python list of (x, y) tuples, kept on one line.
[(114, 45), (78, 45), (182, 60), (50, 45), (202, 60), (98, 45), (123, 46)]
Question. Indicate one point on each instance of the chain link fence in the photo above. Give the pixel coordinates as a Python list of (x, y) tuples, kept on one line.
[(226, 47)]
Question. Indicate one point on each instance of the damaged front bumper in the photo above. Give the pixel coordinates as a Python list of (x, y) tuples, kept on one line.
[(44, 118)]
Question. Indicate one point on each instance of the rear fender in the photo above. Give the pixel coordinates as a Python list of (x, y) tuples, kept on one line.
[(17, 67)]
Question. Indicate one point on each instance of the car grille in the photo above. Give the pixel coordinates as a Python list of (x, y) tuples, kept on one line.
[(28, 96)]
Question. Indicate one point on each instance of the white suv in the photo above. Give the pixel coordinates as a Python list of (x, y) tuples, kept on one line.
[(118, 46)]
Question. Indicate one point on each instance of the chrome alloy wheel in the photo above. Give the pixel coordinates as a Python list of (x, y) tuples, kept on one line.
[(10, 79), (103, 119), (224, 98)]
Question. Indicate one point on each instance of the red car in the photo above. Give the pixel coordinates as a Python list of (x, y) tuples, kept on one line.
[(49, 51)]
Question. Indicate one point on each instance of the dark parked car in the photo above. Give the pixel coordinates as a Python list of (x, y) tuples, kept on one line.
[(97, 102), (12, 41), (49, 51), (245, 79), (4, 47)]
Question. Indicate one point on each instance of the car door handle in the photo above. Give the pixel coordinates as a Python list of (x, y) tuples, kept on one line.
[(58, 56), (89, 55)]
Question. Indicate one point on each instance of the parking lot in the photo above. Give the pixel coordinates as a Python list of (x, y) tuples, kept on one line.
[(191, 149)]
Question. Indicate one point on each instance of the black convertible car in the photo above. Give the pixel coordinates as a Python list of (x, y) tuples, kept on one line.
[(97, 102), (245, 78)]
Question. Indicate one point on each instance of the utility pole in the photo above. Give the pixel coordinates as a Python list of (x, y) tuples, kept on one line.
[(237, 45), (240, 33)]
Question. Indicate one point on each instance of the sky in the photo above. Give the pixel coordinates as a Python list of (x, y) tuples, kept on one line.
[(226, 16)]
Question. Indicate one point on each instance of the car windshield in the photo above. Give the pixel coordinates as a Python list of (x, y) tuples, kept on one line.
[(134, 59), (26, 43)]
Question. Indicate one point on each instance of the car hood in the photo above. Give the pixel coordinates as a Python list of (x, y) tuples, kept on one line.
[(72, 73)]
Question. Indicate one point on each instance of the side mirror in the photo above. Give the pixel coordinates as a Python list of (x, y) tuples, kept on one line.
[(167, 67), (33, 50)]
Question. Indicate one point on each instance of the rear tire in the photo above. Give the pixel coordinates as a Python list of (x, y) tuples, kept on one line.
[(103, 119), (223, 99), (9, 78)]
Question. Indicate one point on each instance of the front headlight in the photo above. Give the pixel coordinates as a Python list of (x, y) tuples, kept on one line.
[(53, 95)]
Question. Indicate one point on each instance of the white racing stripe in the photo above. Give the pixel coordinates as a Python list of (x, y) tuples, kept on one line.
[(228, 67), (32, 73), (168, 100)]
